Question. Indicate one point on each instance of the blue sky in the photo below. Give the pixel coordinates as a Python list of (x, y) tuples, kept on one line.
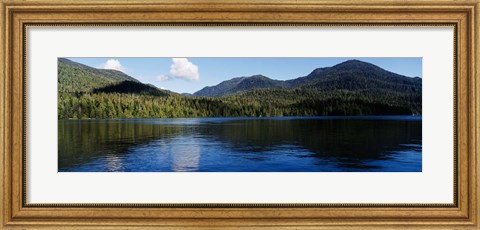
[(188, 75)]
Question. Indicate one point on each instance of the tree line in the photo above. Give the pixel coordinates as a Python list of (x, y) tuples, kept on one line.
[(260, 102)]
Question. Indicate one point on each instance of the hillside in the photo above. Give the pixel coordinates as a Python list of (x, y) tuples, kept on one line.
[(74, 77), (351, 75), (131, 87), (356, 75), (240, 84)]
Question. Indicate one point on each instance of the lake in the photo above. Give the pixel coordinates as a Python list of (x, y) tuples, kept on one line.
[(242, 144)]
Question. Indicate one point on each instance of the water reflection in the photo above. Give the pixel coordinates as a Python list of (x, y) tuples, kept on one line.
[(185, 153), (113, 163), (242, 145)]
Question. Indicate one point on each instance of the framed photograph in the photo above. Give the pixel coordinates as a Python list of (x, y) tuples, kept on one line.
[(247, 114)]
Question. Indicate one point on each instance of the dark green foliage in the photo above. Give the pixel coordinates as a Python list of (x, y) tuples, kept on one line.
[(74, 77), (263, 102), (240, 84), (350, 88), (131, 87), (355, 75), (351, 75)]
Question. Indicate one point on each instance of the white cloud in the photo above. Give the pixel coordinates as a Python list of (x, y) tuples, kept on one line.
[(184, 69), (163, 78), (113, 64)]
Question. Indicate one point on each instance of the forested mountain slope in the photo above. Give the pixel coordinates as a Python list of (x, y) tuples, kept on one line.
[(74, 77), (351, 75), (240, 84)]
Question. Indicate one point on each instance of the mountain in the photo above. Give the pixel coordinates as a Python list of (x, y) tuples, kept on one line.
[(240, 84), (352, 75), (74, 77), (356, 75), (309, 78)]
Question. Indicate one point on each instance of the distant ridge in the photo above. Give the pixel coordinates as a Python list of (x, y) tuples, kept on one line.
[(240, 84), (350, 75)]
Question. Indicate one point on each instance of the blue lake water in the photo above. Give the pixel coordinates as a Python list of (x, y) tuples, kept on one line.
[(268, 144)]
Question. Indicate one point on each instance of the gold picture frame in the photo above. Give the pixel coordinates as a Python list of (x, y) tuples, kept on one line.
[(18, 15)]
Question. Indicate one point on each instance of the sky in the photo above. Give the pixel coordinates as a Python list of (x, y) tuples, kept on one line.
[(188, 75)]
